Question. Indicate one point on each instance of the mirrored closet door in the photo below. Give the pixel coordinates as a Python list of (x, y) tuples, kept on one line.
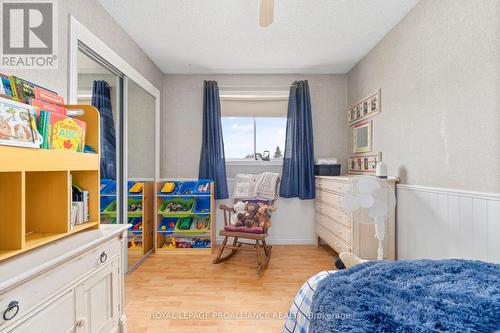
[(128, 152), (140, 141)]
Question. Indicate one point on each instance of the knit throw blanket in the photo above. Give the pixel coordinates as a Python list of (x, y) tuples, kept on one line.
[(265, 186), (409, 296)]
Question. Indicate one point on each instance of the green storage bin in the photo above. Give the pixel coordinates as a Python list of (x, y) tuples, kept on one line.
[(193, 230), (188, 203), (134, 203)]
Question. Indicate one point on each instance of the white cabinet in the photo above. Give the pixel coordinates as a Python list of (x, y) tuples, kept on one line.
[(97, 301), (347, 232), (72, 285)]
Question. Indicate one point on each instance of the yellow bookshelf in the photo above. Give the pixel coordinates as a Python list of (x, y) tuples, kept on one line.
[(35, 196)]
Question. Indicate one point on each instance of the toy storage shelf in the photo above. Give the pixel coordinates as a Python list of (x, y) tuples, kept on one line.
[(35, 190), (145, 216), (199, 207)]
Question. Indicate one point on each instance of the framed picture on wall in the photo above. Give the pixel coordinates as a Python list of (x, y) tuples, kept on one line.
[(364, 109), (362, 137), (363, 164)]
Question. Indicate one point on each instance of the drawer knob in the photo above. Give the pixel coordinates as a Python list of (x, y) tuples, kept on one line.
[(80, 322), (11, 311), (103, 257)]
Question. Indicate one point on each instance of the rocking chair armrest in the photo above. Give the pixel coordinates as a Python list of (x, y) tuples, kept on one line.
[(226, 208)]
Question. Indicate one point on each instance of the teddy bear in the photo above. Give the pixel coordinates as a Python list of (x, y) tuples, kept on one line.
[(264, 215), (239, 208), (249, 218)]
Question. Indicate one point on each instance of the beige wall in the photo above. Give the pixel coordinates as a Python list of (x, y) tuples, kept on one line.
[(182, 116), (439, 72), (95, 18)]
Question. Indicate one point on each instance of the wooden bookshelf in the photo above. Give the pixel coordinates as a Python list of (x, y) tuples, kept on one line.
[(145, 217), (162, 237), (35, 196)]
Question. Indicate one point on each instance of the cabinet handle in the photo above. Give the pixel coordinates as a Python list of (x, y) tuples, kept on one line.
[(11, 311), (103, 257), (80, 322)]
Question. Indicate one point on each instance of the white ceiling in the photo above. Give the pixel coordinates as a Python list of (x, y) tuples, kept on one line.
[(224, 36)]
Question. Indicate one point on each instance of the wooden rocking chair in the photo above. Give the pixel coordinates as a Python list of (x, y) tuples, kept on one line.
[(248, 234)]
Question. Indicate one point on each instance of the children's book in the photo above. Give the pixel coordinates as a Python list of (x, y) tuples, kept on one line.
[(6, 88), (18, 125), (24, 90), (44, 106), (48, 97), (66, 133)]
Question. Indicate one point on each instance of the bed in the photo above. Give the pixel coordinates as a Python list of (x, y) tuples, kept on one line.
[(400, 296)]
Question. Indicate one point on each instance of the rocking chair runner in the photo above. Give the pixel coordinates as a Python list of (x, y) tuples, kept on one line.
[(258, 235)]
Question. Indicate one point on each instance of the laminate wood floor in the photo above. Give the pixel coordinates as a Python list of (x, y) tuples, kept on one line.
[(186, 293)]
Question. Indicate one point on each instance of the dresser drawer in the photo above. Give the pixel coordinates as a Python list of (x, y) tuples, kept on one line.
[(329, 198), (331, 185), (58, 316), (33, 292), (335, 227), (333, 241), (334, 213)]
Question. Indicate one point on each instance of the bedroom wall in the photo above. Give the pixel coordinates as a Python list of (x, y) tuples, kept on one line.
[(181, 138), (95, 18), (439, 75)]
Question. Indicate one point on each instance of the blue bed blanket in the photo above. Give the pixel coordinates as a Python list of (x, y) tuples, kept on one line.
[(409, 296)]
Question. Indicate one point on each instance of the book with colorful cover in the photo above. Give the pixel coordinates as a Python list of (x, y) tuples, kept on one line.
[(66, 133), (23, 90), (6, 88), (44, 106), (43, 128), (18, 125), (48, 97)]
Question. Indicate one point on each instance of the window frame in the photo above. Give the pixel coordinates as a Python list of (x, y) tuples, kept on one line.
[(253, 161)]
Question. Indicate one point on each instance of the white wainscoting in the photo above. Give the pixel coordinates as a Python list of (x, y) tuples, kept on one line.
[(437, 223), (293, 222)]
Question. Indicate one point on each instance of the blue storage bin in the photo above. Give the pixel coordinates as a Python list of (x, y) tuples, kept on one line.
[(110, 189), (200, 183), (167, 224), (136, 222), (187, 188), (202, 205), (104, 183), (105, 201)]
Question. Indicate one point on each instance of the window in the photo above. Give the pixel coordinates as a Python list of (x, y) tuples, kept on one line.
[(251, 137)]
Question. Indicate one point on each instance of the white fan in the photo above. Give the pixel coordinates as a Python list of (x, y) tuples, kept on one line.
[(266, 12), (375, 196)]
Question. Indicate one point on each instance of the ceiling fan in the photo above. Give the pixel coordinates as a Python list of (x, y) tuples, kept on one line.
[(266, 12)]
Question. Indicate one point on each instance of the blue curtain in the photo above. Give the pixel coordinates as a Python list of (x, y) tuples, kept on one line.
[(212, 161), (298, 164), (101, 99)]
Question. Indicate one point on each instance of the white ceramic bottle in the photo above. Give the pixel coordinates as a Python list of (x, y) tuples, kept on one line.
[(381, 168)]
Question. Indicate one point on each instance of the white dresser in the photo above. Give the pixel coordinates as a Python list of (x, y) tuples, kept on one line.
[(71, 285), (344, 232)]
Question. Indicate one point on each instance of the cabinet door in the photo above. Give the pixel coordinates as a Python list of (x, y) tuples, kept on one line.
[(58, 316), (97, 300)]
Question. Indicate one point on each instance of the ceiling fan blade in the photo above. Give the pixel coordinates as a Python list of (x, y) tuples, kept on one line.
[(266, 12)]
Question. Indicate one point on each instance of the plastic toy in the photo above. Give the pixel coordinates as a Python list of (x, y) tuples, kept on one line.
[(168, 187), (136, 188), (170, 244)]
